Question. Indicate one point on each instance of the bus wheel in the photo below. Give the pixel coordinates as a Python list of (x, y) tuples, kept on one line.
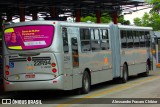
[(147, 69), (86, 83), (125, 74)]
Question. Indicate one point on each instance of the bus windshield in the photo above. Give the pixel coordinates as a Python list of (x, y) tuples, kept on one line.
[(29, 37)]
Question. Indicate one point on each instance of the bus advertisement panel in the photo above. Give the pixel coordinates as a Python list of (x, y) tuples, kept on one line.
[(28, 37)]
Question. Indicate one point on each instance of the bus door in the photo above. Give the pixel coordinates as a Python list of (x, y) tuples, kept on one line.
[(153, 54), (75, 62), (158, 52)]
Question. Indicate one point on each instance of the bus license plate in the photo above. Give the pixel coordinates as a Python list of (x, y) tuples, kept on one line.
[(41, 62), (30, 76)]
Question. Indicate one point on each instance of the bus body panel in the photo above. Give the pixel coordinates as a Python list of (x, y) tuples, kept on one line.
[(97, 65), (76, 74), (38, 68), (101, 67), (115, 51), (135, 57), (94, 61), (55, 84), (136, 63), (67, 72)]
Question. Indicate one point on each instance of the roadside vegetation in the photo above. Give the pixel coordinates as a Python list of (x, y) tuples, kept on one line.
[(105, 18), (151, 19)]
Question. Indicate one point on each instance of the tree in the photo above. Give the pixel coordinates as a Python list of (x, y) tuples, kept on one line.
[(152, 19), (105, 18), (137, 21), (156, 6), (88, 18), (155, 21), (122, 21), (149, 20), (146, 19)]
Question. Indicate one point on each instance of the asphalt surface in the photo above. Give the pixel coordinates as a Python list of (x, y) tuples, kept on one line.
[(103, 94)]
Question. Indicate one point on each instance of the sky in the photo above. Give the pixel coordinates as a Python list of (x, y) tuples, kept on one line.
[(139, 14)]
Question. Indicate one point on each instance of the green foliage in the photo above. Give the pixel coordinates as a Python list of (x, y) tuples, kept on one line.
[(88, 18), (155, 4), (122, 21), (155, 21), (137, 21), (149, 20), (105, 18), (152, 19), (146, 19)]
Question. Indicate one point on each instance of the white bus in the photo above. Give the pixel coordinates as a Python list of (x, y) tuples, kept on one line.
[(56, 55)]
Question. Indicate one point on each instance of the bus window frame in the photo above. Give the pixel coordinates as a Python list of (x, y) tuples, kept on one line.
[(85, 40), (95, 40), (107, 39), (63, 39)]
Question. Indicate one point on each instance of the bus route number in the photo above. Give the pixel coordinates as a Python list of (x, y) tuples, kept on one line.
[(41, 62)]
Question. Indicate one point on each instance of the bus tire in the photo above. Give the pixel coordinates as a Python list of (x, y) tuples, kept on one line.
[(147, 69), (125, 74), (86, 83)]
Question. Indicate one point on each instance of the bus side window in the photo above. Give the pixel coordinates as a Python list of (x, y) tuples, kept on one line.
[(85, 39), (129, 39), (95, 40), (104, 39), (123, 39), (147, 36), (75, 55), (136, 38), (65, 40), (142, 39)]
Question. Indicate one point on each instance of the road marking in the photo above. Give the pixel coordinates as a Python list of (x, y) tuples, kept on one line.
[(110, 90)]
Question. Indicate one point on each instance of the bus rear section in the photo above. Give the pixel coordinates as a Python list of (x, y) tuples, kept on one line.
[(29, 63), (135, 50)]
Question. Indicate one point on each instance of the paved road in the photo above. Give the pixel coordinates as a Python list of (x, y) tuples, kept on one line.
[(136, 87)]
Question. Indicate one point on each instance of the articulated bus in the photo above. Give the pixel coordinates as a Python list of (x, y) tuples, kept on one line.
[(56, 55)]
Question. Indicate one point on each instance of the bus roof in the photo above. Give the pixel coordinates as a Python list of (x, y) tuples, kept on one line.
[(134, 27), (80, 24), (63, 23), (84, 24)]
